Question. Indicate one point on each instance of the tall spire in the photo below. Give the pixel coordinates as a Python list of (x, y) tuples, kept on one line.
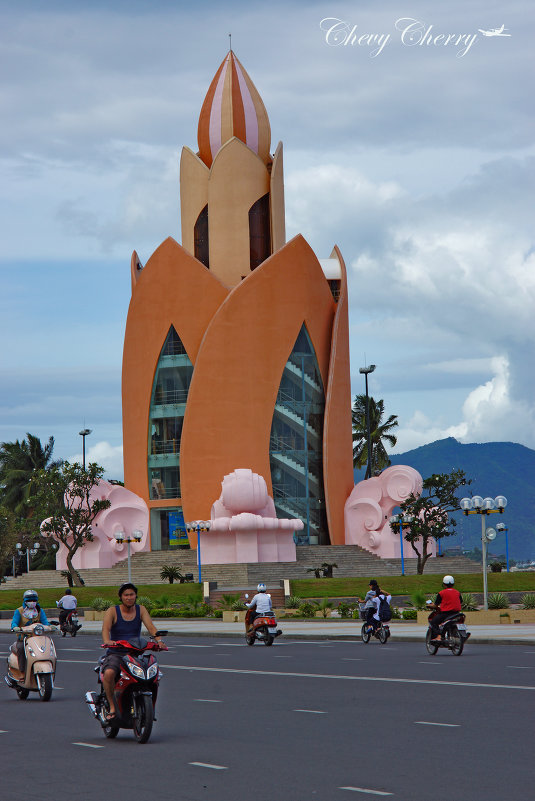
[(233, 107)]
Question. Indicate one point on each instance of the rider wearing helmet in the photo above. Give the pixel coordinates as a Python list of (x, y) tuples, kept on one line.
[(121, 622), (448, 601), (260, 603), (29, 612)]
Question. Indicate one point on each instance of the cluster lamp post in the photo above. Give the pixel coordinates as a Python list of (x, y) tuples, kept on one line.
[(197, 526), (484, 506), (29, 552), (366, 371), (404, 521), (502, 527), (136, 536)]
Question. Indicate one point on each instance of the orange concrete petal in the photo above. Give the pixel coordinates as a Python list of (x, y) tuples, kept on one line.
[(173, 289), (239, 368)]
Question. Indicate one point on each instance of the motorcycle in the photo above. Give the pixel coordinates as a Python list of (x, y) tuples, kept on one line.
[(453, 634), (136, 689), (70, 625), (263, 627), (40, 670)]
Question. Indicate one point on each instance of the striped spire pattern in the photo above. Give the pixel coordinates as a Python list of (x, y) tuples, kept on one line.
[(233, 107)]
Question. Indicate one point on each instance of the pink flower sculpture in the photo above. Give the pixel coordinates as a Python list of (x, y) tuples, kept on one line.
[(244, 524), (368, 510), (127, 513)]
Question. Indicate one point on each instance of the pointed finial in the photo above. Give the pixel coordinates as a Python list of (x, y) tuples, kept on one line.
[(230, 42)]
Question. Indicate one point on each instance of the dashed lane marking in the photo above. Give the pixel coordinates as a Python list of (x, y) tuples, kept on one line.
[(365, 790), (311, 711), (431, 723), (208, 765), (520, 667), (3, 731), (88, 745), (208, 700)]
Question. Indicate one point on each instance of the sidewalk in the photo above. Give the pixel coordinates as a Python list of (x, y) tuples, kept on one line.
[(505, 634)]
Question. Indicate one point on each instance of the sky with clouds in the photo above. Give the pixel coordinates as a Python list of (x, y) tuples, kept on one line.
[(408, 136)]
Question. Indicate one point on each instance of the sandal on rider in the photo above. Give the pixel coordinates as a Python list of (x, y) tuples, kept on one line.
[(111, 717)]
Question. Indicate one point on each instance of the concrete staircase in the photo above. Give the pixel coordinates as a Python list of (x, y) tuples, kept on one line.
[(352, 560)]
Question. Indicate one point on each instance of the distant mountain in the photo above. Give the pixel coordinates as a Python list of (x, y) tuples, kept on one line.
[(496, 468)]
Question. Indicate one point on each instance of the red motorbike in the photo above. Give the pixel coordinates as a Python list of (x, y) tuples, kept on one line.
[(136, 689), (71, 624), (263, 628), (453, 634)]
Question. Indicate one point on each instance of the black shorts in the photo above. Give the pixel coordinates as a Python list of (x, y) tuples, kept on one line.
[(112, 660)]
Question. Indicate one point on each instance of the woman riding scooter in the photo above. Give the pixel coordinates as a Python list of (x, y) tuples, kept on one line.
[(29, 612)]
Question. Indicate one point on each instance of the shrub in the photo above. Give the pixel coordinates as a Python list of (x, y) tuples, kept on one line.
[(410, 614), (324, 606), (496, 567), (293, 602), (396, 614), (418, 599), (171, 573), (528, 600), (498, 600), (307, 609), (145, 601), (227, 600), (161, 603), (469, 603), (101, 604), (238, 606), (345, 609)]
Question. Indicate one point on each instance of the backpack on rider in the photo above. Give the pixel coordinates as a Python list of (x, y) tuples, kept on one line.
[(385, 613)]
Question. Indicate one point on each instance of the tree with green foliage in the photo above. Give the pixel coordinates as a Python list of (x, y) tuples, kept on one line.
[(62, 495), (430, 512), (8, 538), (172, 573), (379, 432), (19, 462)]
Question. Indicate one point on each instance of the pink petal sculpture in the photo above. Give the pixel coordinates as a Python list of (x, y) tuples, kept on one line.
[(127, 513), (244, 524), (369, 507)]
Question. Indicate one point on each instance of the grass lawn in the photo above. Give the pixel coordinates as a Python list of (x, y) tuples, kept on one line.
[(406, 585), (12, 599)]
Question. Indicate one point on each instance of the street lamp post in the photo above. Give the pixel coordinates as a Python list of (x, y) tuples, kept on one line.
[(198, 526), (366, 371), (502, 527), (29, 552), (84, 433), (134, 537), (404, 521), (484, 506)]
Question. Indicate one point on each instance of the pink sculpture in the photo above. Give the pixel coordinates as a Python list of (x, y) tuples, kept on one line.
[(369, 507), (127, 513), (244, 524)]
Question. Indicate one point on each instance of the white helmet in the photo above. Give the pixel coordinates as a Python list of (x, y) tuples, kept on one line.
[(448, 580), (261, 587)]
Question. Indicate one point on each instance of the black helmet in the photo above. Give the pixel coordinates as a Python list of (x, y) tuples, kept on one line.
[(127, 586)]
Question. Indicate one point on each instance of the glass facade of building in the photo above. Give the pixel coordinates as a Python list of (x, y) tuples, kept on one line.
[(296, 443), (168, 405)]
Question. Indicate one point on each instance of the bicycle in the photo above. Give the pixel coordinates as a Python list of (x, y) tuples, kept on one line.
[(382, 633)]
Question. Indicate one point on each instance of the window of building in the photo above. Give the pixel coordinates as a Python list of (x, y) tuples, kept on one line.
[(168, 531), (296, 443), (200, 238), (259, 231), (168, 405)]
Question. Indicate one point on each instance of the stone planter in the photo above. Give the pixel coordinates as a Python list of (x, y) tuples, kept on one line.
[(91, 615), (491, 617), (234, 617)]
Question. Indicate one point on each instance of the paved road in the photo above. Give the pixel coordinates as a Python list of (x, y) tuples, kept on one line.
[(329, 720)]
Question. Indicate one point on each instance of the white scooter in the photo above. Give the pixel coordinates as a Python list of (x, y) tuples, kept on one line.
[(40, 653)]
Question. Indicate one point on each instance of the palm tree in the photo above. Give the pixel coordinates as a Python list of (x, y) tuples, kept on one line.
[(19, 462), (379, 431)]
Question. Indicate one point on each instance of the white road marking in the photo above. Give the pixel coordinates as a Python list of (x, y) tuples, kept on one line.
[(520, 667), (365, 790), (352, 659), (207, 765), (292, 675), (430, 723), (60, 649), (194, 646), (283, 656), (431, 662), (311, 711), (89, 745), (4, 731), (208, 700)]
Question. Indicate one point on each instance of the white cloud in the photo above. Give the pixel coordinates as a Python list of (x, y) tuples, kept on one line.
[(108, 456)]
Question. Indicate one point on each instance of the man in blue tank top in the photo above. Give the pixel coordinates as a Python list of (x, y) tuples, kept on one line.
[(122, 622)]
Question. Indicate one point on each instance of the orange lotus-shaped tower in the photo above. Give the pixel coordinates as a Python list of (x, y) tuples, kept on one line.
[(236, 350)]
